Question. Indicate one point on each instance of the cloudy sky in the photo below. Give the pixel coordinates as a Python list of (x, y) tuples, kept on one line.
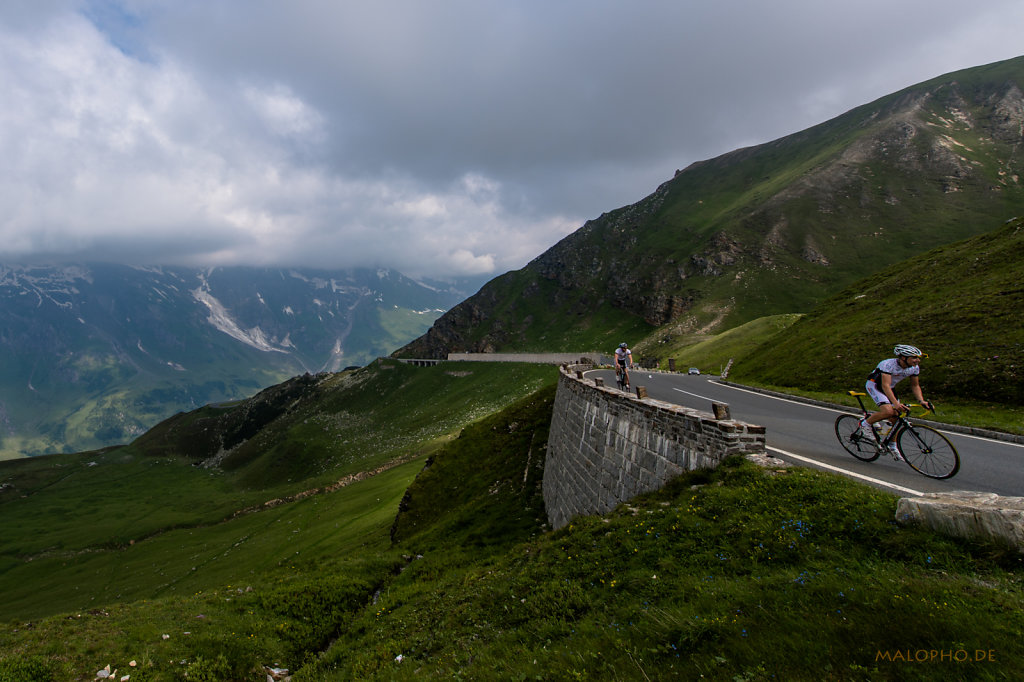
[(437, 137)]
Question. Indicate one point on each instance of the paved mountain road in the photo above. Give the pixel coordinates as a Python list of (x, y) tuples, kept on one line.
[(804, 434)]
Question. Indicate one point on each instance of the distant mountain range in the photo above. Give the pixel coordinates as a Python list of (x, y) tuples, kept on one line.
[(93, 355), (774, 228)]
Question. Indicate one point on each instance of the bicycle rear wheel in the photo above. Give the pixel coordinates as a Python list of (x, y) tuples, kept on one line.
[(848, 433), (928, 452)]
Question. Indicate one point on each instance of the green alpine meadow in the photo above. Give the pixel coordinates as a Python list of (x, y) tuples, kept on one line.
[(387, 522), (433, 560)]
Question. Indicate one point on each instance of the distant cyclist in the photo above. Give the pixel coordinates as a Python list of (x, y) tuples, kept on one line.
[(882, 381), (623, 361)]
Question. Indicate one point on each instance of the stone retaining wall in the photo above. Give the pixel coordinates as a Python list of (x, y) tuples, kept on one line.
[(607, 446)]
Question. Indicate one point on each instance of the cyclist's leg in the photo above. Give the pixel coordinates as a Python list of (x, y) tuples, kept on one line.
[(885, 409)]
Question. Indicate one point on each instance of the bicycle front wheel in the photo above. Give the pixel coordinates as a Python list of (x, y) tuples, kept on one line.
[(848, 433), (928, 452)]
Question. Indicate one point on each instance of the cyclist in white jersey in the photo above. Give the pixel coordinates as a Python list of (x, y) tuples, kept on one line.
[(623, 361), (883, 379)]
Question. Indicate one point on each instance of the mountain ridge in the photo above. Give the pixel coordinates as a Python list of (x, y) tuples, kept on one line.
[(720, 243), (94, 354)]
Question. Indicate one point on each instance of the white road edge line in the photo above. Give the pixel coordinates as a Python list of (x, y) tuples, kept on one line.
[(785, 400), (886, 484), (695, 395), (851, 411)]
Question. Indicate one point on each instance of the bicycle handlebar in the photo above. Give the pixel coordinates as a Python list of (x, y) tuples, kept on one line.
[(927, 408)]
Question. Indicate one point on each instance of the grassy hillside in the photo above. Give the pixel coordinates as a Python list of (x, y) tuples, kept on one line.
[(959, 303), (711, 353), (205, 602), (81, 520), (110, 403), (737, 574), (315, 429), (448, 572)]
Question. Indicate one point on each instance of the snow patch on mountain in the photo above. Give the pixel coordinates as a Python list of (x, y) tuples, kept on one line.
[(222, 320)]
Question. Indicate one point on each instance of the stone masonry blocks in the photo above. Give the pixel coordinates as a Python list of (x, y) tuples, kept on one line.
[(606, 447)]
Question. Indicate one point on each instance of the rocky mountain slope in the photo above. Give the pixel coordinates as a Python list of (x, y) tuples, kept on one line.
[(772, 228), (94, 355)]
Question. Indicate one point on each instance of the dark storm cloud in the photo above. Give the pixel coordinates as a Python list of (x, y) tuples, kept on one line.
[(445, 138)]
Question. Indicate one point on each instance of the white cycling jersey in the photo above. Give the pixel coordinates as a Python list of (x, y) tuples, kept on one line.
[(623, 356), (897, 374)]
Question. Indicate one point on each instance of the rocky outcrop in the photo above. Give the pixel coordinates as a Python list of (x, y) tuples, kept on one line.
[(969, 515), (453, 332)]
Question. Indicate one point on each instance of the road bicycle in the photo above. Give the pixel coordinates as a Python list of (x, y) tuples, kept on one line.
[(923, 448)]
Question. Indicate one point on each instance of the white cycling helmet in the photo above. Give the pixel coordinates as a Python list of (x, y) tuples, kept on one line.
[(905, 350), (622, 345)]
